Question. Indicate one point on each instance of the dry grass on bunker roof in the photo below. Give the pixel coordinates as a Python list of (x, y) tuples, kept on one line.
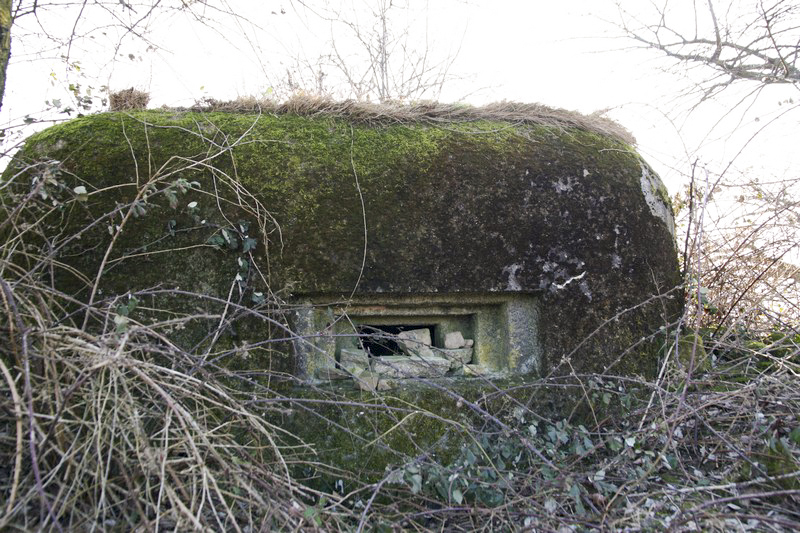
[(424, 111)]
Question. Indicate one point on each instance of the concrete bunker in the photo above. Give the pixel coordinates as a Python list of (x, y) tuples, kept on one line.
[(537, 234)]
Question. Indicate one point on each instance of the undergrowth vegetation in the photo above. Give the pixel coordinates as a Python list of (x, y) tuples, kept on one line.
[(106, 423)]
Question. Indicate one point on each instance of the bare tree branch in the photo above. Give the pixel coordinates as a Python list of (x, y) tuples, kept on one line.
[(758, 45)]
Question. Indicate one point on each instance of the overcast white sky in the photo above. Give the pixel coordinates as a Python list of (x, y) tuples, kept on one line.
[(565, 54)]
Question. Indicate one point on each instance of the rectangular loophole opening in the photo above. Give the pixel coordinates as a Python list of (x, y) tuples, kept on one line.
[(401, 336), (380, 340)]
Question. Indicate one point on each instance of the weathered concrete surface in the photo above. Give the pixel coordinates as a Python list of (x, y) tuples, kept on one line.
[(478, 207), (454, 340), (456, 356), (415, 342), (400, 366)]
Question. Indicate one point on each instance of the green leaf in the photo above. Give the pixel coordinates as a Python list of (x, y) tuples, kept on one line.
[(441, 489), (490, 497), (257, 298), (125, 309), (506, 452), (172, 198), (122, 323), (575, 492), (230, 238), (248, 244), (312, 515), (469, 457), (416, 483), (794, 436), (181, 184), (457, 496), (216, 240)]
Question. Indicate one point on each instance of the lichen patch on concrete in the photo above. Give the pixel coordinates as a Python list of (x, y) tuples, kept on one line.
[(654, 192)]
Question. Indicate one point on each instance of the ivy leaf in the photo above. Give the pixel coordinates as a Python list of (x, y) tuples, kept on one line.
[(257, 298), (172, 198), (230, 238), (248, 244), (469, 458), (217, 241)]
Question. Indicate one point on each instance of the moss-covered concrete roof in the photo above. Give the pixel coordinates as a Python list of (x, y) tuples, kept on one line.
[(316, 202)]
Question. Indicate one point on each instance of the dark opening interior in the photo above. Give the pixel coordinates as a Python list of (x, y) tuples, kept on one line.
[(377, 340)]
